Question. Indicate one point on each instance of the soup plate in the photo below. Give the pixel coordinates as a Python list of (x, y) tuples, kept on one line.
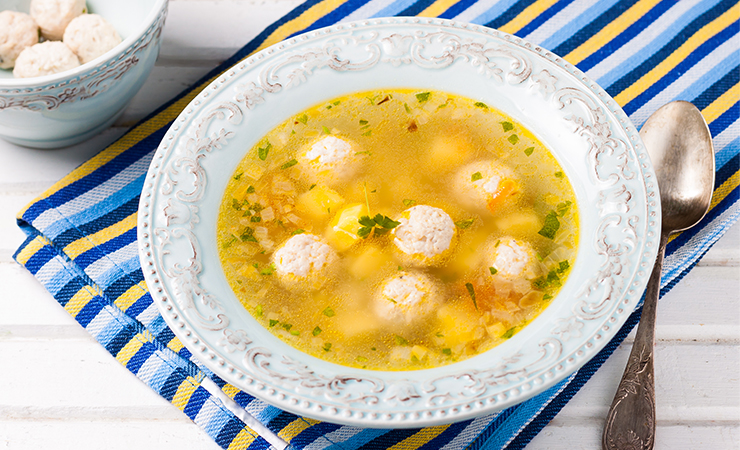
[(587, 132)]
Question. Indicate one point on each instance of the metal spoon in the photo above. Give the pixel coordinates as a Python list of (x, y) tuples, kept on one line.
[(680, 146)]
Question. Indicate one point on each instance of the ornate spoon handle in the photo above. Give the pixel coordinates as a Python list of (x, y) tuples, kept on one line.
[(631, 420)]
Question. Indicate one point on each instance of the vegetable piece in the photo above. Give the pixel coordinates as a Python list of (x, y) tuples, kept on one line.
[(455, 324), (506, 189), (319, 202), (520, 223), (342, 230), (551, 226), (471, 291), (368, 262)]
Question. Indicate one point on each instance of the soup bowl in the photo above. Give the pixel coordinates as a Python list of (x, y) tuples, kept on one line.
[(587, 132), (71, 106)]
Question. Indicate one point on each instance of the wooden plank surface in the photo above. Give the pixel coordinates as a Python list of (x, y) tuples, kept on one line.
[(61, 390)]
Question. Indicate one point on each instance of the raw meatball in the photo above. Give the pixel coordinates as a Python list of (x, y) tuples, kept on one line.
[(331, 160), (17, 31), (45, 59), (304, 261), (485, 185), (407, 298), (89, 36), (53, 16), (425, 234)]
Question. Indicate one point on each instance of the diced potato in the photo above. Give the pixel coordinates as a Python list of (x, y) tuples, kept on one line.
[(368, 262), (249, 271), (520, 223), (241, 192), (319, 203), (496, 330), (457, 324), (531, 298), (342, 230), (254, 171), (445, 151), (419, 351)]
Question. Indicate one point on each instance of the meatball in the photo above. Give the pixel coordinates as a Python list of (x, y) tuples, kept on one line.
[(331, 160), (407, 298), (486, 185), (53, 16), (46, 58), (425, 234), (511, 258), (304, 262), (17, 32), (90, 36)]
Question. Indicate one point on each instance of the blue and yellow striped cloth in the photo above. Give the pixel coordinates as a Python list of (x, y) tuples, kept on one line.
[(82, 232)]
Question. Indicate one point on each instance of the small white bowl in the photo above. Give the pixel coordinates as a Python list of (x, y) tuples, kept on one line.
[(70, 107)]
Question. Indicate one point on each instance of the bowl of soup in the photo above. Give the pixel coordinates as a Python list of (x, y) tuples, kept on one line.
[(398, 222)]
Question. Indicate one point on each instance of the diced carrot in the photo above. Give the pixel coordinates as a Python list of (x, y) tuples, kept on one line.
[(506, 189)]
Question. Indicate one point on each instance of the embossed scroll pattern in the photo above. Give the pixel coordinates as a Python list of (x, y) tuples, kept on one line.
[(184, 181)]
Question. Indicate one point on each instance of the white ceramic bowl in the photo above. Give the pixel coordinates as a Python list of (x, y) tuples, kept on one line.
[(66, 108), (594, 141)]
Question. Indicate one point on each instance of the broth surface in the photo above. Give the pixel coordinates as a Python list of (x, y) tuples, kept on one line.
[(397, 229)]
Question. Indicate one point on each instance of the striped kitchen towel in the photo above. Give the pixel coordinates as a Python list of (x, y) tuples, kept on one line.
[(82, 232)]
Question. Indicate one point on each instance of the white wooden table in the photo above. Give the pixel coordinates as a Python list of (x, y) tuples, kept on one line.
[(59, 389)]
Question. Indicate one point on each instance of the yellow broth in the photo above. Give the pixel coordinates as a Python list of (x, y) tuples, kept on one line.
[(413, 147)]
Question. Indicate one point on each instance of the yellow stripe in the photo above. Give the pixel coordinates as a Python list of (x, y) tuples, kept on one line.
[(242, 440), (679, 55), (79, 300), (420, 438), (80, 246), (230, 390), (175, 345), (526, 16), (130, 349), (184, 392), (610, 31), (128, 298), (301, 22), (437, 8), (31, 249), (721, 104), (294, 428)]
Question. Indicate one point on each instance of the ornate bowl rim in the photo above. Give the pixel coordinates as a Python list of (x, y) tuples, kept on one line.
[(588, 132)]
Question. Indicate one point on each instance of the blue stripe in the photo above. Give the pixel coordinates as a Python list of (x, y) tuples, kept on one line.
[(335, 16), (389, 438), (578, 22), (627, 35), (543, 17), (362, 438), (140, 357), (90, 311), (229, 432), (656, 58), (120, 340), (69, 290), (718, 71), (723, 155), (196, 401), (119, 269), (105, 248), (510, 13), (39, 259), (173, 381), (313, 433), (718, 88), (415, 8), (457, 9), (727, 118), (394, 8), (446, 436), (674, 74), (494, 11), (654, 45), (114, 290), (60, 279), (112, 328)]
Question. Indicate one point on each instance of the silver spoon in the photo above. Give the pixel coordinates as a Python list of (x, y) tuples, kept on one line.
[(680, 146)]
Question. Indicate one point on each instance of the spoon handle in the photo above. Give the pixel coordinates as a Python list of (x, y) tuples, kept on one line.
[(631, 420)]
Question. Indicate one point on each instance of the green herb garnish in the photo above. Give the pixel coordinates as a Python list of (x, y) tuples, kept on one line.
[(327, 346), (408, 202), (229, 243), (528, 151), (290, 163), (361, 359), (248, 235), (239, 175), (379, 224), (493, 270), (559, 174), (302, 119), (480, 105), (547, 297), (325, 130), (471, 291), (273, 322), (513, 139), (509, 333), (263, 151), (258, 311), (508, 126), (447, 351), (423, 96), (298, 231), (328, 312), (255, 219), (463, 224), (250, 190), (551, 225), (476, 176), (563, 208), (268, 270), (400, 340), (316, 331)]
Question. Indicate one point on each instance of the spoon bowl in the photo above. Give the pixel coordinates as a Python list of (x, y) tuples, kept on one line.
[(680, 146)]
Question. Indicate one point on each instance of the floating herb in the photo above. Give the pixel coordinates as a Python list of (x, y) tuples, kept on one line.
[(328, 312), (298, 231), (367, 133), (288, 164), (273, 322), (406, 107), (258, 311), (263, 151), (493, 270), (379, 224), (400, 340), (508, 126), (255, 219), (476, 176), (471, 291), (551, 225), (316, 331), (563, 208), (464, 224), (513, 139), (509, 333), (239, 175), (302, 119), (312, 186), (447, 351), (559, 174), (295, 333), (547, 297), (361, 359), (268, 270), (423, 96), (528, 151), (408, 202), (229, 243), (287, 326), (563, 266), (325, 130), (248, 235), (250, 190), (480, 105), (327, 346)]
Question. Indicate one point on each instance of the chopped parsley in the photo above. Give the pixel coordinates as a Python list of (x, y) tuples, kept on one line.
[(255, 219), (463, 224), (298, 231), (327, 346), (447, 351), (400, 340), (263, 151), (325, 130), (250, 190), (379, 224), (316, 331), (559, 174), (239, 175), (228, 243), (363, 122), (563, 208), (471, 291), (268, 270), (508, 126), (288, 164), (509, 333), (476, 176), (312, 186), (273, 322), (423, 96), (408, 202), (528, 151), (302, 119), (328, 312), (248, 235), (493, 270), (513, 139), (551, 226), (480, 105), (547, 297), (367, 133), (258, 311)]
